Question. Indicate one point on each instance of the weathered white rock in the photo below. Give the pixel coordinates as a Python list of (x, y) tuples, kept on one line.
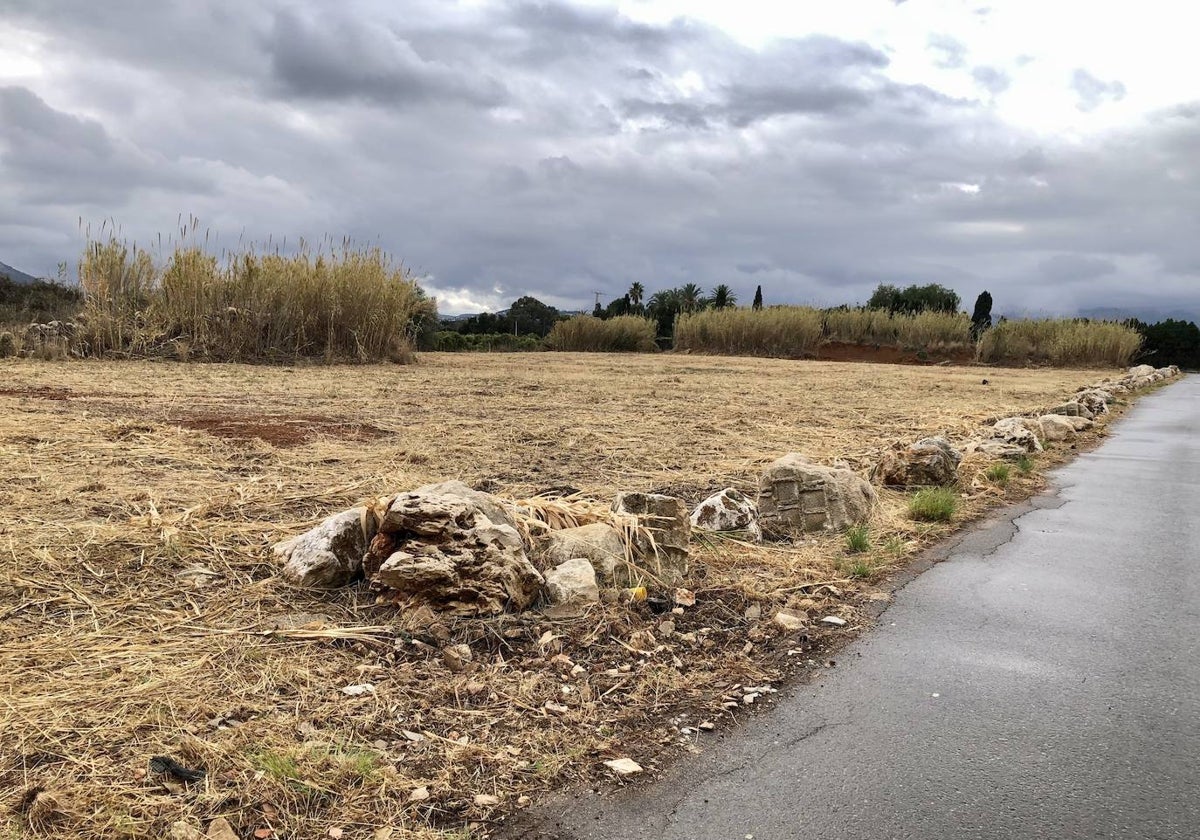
[(928, 462), (496, 510), (665, 552), (791, 619), (994, 449), (572, 581), (728, 510), (795, 494), (1020, 431), (329, 555), (1139, 371), (624, 767), (1056, 427), (599, 543)]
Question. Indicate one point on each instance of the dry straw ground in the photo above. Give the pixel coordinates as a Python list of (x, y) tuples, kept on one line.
[(139, 615)]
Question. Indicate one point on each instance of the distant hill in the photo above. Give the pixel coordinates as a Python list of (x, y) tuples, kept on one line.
[(16, 276), (1148, 314)]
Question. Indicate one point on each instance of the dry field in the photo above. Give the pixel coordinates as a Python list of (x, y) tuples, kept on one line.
[(139, 615)]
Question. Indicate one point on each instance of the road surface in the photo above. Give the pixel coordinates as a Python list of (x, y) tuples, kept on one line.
[(1043, 682)]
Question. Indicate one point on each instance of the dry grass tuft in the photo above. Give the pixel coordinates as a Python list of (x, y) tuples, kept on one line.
[(140, 615)]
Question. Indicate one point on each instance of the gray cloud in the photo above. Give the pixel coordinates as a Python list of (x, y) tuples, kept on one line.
[(1093, 92), (551, 149), (991, 79), (949, 52)]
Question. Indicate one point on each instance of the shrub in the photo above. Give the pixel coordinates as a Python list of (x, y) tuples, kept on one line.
[(933, 504), (8, 345), (997, 473), (622, 334), (858, 539), (1064, 342), (449, 341), (781, 331), (24, 303), (343, 304)]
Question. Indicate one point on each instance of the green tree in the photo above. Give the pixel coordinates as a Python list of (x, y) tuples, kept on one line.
[(528, 315), (913, 299), (758, 303), (691, 298), (637, 293), (981, 318), (722, 297)]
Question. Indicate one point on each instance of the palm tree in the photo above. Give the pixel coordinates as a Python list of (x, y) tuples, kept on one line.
[(636, 292), (722, 297), (691, 298)]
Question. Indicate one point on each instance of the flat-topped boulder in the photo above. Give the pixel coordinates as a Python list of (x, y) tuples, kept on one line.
[(928, 462), (796, 495)]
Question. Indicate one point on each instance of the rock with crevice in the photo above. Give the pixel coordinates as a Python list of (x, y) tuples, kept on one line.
[(928, 462), (330, 555), (452, 557), (663, 544), (1020, 431), (1074, 408), (796, 495)]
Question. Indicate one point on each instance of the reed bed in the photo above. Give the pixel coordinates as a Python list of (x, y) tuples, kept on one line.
[(340, 302), (780, 332), (922, 331), (1061, 342), (586, 334)]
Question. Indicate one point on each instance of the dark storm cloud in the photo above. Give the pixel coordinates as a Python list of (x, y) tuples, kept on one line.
[(329, 57), (1093, 92), (550, 149)]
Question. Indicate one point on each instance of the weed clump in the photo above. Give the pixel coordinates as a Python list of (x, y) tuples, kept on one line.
[(933, 504), (858, 539), (997, 473)]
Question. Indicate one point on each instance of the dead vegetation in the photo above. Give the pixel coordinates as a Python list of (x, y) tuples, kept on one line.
[(140, 615)]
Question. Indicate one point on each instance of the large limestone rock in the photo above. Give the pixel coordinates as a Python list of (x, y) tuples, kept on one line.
[(1074, 408), (329, 555), (599, 543), (1056, 427), (1020, 431), (995, 449), (665, 552), (795, 494), (728, 510), (495, 509), (452, 557), (1096, 399), (928, 462), (1139, 371), (572, 582)]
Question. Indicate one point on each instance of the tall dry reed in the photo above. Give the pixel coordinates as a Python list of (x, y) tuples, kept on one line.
[(340, 303), (924, 330), (1062, 342), (623, 334), (780, 331)]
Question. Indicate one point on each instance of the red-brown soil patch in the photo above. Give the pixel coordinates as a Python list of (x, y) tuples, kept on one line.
[(280, 430), (837, 351), (45, 392)]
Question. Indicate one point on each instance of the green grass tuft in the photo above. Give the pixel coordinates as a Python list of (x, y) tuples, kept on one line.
[(997, 473), (858, 539), (1025, 464), (933, 504)]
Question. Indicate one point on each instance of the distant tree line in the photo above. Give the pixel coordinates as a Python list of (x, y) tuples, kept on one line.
[(530, 320)]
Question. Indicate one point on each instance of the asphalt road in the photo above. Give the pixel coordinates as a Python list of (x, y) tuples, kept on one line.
[(1043, 682)]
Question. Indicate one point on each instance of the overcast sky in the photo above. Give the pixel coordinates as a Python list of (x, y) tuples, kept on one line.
[(1048, 152)]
